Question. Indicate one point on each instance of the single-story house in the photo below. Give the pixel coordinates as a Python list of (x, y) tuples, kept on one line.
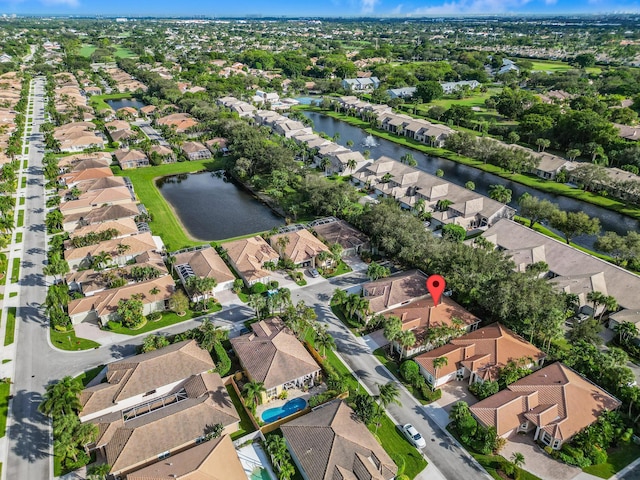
[(391, 292), (121, 250), (131, 158), (97, 198), (203, 263), (248, 255), (360, 84), (272, 354), (352, 240), (479, 356), (301, 247), (555, 401), (331, 443), (195, 151), (100, 214)]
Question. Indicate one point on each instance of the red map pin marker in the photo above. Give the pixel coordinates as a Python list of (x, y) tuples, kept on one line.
[(436, 285)]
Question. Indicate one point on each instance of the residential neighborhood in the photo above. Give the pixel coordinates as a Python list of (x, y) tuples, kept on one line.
[(355, 242)]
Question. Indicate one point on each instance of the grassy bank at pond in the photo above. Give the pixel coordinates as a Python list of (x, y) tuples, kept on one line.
[(529, 180), (98, 101), (165, 223)]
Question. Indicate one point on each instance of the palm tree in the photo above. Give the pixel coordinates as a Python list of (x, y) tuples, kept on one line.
[(325, 341), (406, 339), (253, 393), (210, 334), (389, 393), (282, 243), (610, 305), (438, 363), (517, 459), (500, 193), (154, 291), (121, 248), (340, 297), (392, 330), (325, 164), (597, 298), (626, 331), (352, 164), (277, 448), (61, 398), (101, 259), (257, 302)]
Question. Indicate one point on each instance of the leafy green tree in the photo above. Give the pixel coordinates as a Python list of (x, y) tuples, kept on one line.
[(428, 91), (574, 223), (178, 302), (536, 210), (409, 159), (252, 392), (364, 407), (500, 193), (470, 185), (454, 233), (154, 342), (376, 271), (130, 312)]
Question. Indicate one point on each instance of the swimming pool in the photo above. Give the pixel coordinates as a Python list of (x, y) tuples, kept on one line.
[(292, 406), (260, 474)]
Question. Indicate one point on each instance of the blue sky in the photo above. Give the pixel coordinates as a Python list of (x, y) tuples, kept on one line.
[(314, 8)]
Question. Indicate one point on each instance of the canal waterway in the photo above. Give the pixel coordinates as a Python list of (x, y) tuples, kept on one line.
[(212, 207), (125, 102), (460, 174)]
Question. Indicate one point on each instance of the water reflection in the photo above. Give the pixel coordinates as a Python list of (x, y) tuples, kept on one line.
[(213, 207), (460, 174)]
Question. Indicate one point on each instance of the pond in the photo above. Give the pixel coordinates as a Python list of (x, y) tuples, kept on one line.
[(125, 102), (460, 174), (212, 207)]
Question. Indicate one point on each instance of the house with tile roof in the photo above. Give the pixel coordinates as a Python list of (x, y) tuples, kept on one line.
[(352, 240), (272, 354), (195, 151), (479, 356), (139, 436), (130, 380), (100, 214), (331, 443), (103, 306), (203, 263), (121, 250), (215, 459), (248, 256), (131, 158), (391, 292), (555, 402), (71, 178), (97, 198), (301, 247), (431, 324)]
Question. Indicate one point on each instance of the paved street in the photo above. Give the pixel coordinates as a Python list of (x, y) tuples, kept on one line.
[(37, 362)]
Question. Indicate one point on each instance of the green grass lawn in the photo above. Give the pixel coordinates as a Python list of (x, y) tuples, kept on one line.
[(619, 458), (69, 341), (165, 223), (15, 270), (554, 66), (168, 319), (9, 334), (20, 221), (13, 294), (23, 182), (529, 180), (86, 377), (123, 52), (4, 407), (341, 269), (22, 201), (19, 237), (491, 464), (25, 164), (3, 265), (397, 446), (98, 101), (476, 100), (246, 426), (86, 50), (348, 322)]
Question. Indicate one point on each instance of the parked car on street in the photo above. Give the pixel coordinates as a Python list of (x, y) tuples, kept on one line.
[(413, 436)]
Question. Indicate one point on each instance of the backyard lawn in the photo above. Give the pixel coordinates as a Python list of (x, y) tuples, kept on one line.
[(619, 458), (165, 223), (246, 426)]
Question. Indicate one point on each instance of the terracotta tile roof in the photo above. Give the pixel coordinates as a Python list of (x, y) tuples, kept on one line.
[(142, 373), (331, 441), (193, 147), (103, 214), (483, 351), (342, 233), (73, 160), (88, 174), (124, 226), (302, 246), (128, 155), (387, 292), (100, 183), (106, 303), (104, 196), (206, 263), (272, 354), (249, 255), (213, 460), (421, 315), (137, 244), (554, 398), (143, 438)]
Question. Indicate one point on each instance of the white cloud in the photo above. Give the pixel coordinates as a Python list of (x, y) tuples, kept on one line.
[(367, 6), (397, 10), (456, 7), (66, 3)]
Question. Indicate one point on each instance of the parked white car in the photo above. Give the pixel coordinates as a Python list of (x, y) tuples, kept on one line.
[(413, 436)]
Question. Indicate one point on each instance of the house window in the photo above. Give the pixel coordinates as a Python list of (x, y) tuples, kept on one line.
[(556, 444), (164, 455), (272, 392), (546, 438)]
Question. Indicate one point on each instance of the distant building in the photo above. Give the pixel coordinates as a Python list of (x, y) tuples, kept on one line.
[(452, 87), (360, 84)]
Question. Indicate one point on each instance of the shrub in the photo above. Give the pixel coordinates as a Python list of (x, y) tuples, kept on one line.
[(154, 317), (431, 395), (399, 461), (321, 398), (483, 390), (223, 362), (410, 371), (548, 449), (258, 288)]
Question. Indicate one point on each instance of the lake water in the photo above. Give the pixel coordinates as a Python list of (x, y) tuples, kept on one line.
[(460, 174), (214, 208), (125, 102)]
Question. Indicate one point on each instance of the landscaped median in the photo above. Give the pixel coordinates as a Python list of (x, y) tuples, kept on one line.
[(529, 180), (165, 223)]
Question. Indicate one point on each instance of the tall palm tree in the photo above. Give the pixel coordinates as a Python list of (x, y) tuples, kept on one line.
[(352, 164), (282, 243), (339, 296), (610, 305), (438, 363), (626, 331), (389, 393), (325, 341), (392, 330), (597, 298), (500, 193), (61, 398), (253, 393), (406, 339)]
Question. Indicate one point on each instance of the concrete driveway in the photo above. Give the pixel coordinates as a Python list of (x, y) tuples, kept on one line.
[(536, 460), (456, 391)]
